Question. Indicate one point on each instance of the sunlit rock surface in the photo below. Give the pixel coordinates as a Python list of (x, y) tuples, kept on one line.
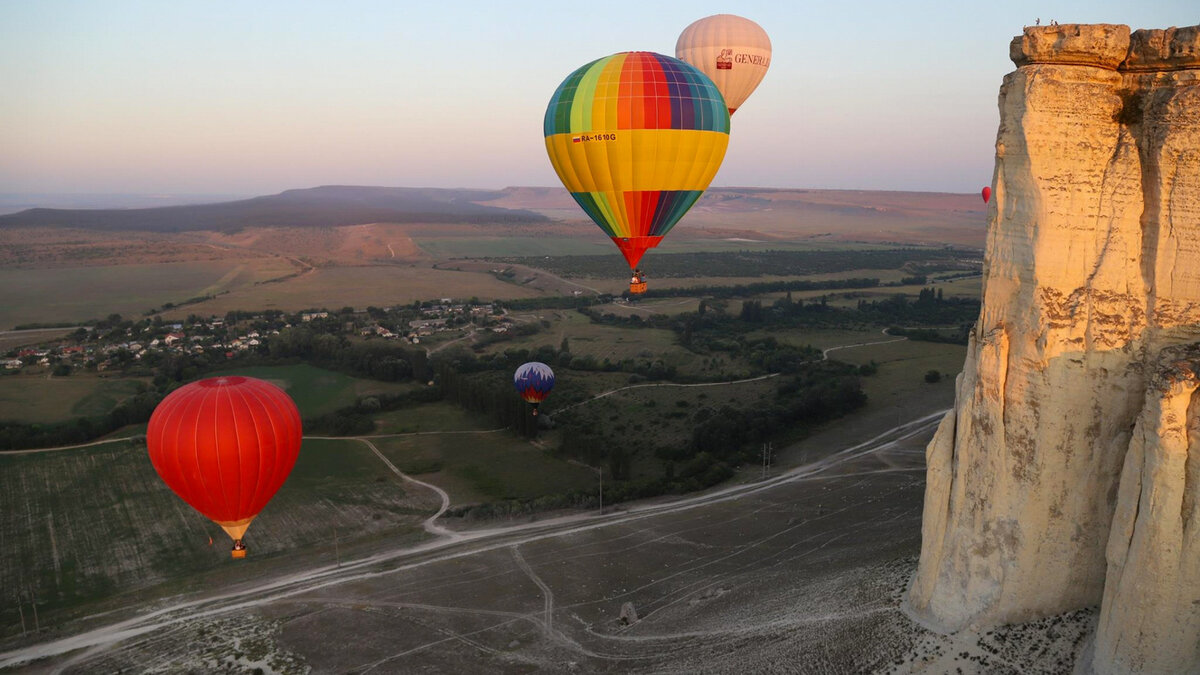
[(1150, 617), (1092, 269)]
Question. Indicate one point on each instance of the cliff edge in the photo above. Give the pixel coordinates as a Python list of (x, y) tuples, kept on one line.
[(1091, 276)]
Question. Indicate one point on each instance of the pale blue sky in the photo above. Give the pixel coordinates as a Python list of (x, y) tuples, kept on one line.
[(257, 97)]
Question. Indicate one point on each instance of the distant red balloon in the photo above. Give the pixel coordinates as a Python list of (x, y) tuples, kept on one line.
[(225, 445), (987, 194)]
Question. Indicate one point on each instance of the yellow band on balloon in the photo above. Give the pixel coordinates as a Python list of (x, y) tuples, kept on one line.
[(637, 159)]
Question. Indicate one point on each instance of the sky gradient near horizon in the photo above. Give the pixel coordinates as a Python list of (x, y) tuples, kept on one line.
[(254, 98)]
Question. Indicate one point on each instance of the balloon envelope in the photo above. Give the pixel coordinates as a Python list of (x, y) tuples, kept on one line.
[(733, 51), (533, 381), (987, 194), (225, 445), (636, 138)]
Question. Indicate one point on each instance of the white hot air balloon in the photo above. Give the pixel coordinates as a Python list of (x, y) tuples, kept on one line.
[(734, 52)]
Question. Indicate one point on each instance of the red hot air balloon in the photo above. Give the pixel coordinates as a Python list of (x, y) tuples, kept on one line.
[(225, 445), (987, 194)]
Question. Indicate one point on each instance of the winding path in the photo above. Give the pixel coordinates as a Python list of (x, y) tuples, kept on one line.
[(430, 523), (825, 352), (547, 594)]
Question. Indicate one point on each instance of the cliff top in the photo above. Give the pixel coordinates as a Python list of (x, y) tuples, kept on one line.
[(1110, 46)]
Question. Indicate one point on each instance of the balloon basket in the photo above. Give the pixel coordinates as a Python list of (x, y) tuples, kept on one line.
[(238, 554), (637, 288)]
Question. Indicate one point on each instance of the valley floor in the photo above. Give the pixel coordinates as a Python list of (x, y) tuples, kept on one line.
[(800, 572)]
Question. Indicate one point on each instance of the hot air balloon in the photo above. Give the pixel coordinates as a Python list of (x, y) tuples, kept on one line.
[(225, 445), (734, 52), (636, 138), (987, 194), (533, 381)]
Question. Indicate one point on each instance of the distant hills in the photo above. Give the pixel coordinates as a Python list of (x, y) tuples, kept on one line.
[(735, 213), (325, 206)]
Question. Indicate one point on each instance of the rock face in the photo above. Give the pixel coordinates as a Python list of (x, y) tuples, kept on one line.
[(1150, 617), (1092, 269)]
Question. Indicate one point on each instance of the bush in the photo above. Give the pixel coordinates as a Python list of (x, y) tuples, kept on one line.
[(933, 376)]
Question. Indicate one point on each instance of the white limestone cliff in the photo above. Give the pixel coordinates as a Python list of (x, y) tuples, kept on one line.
[(1150, 616), (1092, 269)]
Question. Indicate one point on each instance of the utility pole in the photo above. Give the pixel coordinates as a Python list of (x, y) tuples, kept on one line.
[(600, 473), (33, 603), (336, 550), (766, 459)]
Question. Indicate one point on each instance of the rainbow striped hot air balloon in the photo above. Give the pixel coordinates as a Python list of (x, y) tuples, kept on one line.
[(636, 138), (533, 382)]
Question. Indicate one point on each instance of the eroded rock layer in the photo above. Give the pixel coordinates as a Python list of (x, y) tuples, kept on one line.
[(1150, 616), (1092, 269)]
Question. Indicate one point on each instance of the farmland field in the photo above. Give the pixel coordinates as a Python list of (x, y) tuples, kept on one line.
[(85, 525), (485, 247), (380, 285), (79, 293), (42, 400)]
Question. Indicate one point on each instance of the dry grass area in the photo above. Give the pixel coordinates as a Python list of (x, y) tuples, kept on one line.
[(92, 292), (354, 244), (12, 339), (51, 247)]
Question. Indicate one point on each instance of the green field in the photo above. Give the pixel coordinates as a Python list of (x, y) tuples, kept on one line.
[(42, 400), (85, 525), (481, 467), (317, 391), (440, 416), (79, 293)]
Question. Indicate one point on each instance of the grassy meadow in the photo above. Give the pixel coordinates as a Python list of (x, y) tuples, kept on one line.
[(45, 400), (441, 416), (317, 391), (485, 466)]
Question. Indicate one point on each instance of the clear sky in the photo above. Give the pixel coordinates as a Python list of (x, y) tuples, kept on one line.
[(257, 97)]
